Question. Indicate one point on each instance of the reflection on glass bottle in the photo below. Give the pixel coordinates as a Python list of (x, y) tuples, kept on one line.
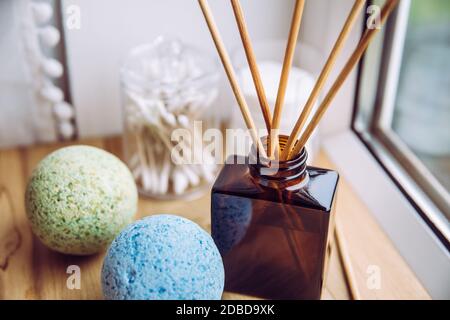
[(273, 229), (235, 217)]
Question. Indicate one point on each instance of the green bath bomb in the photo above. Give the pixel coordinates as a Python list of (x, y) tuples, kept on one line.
[(79, 198)]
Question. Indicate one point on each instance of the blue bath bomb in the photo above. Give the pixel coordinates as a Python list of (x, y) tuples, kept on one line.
[(163, 257)]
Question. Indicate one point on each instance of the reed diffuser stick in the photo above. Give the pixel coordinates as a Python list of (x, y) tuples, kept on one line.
[(224, 57), (251, 59), (346, 261), (287, 63), (351, 19), (352, 61)]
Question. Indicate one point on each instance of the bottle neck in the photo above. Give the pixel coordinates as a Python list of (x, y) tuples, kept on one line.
[(289, 174)]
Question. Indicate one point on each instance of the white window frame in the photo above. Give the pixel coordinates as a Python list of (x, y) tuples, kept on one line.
[(399, 218)]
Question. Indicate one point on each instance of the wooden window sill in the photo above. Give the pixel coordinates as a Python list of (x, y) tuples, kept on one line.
[(28, 270)]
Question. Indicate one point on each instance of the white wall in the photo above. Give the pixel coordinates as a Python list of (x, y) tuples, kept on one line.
[(321, 27), (109, 28)]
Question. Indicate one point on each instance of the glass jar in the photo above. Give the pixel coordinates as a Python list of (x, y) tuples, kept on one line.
[(166, 86), (273, 225)]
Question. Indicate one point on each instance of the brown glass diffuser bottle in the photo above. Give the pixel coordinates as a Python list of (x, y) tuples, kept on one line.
[(273, 225)]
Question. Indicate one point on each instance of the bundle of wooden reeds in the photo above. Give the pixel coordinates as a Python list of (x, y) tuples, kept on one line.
[(295, 143), (272, 122)]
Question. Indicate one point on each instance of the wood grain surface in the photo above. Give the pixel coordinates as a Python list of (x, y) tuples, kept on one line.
[(28, 270)]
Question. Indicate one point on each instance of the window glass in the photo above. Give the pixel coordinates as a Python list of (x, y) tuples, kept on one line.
[(421, 116)]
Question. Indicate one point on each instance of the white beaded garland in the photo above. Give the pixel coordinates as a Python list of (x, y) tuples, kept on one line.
[(49, 35), (66, 129), (53, 68), (38, 35), (63, 111), (42, 12), (52, 93)]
